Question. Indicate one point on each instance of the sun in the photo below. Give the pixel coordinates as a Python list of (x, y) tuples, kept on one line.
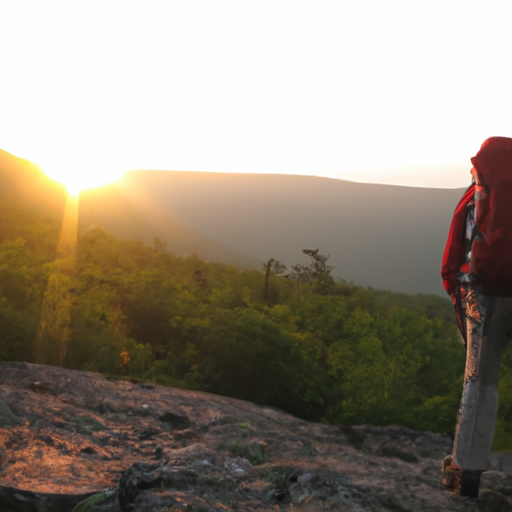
[(78, 175), (74, 189)]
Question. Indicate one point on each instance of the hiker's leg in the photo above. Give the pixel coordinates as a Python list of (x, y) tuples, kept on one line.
[(471, 447), (488, 331), (496, 337), (472, 316)]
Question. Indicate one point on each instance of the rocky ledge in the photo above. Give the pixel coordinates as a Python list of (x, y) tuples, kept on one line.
[(79, 441)]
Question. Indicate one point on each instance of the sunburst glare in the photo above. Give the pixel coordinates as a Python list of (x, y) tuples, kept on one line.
[(82, 175), (51, 341)]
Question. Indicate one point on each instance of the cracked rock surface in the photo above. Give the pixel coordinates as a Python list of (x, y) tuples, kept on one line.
[(68, 436)]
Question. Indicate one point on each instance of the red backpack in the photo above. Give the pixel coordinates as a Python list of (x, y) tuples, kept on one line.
[(491, 250)]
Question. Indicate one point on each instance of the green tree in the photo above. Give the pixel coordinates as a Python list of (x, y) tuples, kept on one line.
[(244, 354), (317, 273), (275, 267), (22, 284)]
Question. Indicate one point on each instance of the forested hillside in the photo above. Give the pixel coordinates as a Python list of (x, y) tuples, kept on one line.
[(321, 349), (324, 351)]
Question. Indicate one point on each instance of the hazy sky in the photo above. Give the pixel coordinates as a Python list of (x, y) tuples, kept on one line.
[(388, 91)]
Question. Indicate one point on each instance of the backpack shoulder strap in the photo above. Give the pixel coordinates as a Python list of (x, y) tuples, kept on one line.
[(454, 251)]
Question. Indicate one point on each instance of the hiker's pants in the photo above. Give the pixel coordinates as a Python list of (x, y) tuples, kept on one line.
[(489, 329)]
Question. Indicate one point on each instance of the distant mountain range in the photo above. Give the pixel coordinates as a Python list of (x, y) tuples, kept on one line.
[(384, 236)]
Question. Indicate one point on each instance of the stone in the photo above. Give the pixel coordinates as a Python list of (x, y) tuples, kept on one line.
[(99, 446), (501, 461)]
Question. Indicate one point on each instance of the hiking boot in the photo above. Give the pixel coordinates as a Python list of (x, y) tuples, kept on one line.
[(464, 482), (451, 475)]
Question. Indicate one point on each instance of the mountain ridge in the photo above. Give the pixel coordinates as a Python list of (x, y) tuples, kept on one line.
[(384, 236)]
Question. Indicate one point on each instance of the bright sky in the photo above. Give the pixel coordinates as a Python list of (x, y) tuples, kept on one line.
[(395, 91)]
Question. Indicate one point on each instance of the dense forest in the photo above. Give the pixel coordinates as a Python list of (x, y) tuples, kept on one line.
[(319, 348)]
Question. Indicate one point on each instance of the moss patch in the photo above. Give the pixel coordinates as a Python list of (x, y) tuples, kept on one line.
[(85, 425), (7, 418)]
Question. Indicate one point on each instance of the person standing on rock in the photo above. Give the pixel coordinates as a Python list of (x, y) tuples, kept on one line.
[(477, 273)]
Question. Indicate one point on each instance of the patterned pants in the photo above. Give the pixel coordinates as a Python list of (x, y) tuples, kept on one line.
[(489, 329)]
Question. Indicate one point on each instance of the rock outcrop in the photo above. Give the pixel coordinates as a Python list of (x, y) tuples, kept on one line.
[(72, 437)]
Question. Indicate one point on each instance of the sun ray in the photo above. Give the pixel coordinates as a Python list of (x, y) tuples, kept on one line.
[(52, 338)]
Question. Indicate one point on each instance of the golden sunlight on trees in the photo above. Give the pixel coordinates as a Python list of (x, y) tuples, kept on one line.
[(51, 341)]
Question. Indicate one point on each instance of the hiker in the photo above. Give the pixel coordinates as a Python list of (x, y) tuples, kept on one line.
[(477, 273)]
